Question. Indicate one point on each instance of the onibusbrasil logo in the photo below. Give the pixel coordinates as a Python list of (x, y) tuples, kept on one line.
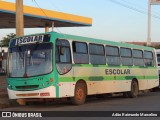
[(21, 114)]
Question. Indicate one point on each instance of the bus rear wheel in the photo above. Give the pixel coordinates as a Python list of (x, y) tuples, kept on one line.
[(134, 89), (79, 94)]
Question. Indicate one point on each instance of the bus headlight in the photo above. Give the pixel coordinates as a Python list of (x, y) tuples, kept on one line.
[(9, 86)]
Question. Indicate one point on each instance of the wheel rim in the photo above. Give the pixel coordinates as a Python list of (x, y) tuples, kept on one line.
[(80, 94)]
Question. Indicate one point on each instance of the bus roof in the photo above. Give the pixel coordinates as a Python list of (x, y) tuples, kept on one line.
[(55, 35)]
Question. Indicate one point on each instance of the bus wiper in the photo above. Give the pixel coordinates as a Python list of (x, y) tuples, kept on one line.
[(19, 51), (25, 75)]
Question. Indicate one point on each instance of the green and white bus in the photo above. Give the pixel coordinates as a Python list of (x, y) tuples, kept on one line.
[(158, 60), (53, 65)]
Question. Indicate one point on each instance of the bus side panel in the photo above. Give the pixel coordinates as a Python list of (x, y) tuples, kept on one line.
[(108, 86), (66, 84), (98, 82)]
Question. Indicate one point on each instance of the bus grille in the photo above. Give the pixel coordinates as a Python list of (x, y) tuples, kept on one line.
[(27, 87)]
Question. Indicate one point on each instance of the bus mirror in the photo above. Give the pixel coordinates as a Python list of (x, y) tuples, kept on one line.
[(2, 54), (29, 52), (62, 50)]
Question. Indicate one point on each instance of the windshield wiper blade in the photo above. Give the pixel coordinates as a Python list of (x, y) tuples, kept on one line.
[(25, 75)]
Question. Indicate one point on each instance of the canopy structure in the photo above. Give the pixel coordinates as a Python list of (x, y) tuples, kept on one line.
[(38, 18)]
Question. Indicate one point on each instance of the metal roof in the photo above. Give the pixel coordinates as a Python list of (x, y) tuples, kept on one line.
[(35, 17)]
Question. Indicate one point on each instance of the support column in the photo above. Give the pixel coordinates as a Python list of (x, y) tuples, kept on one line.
[(19, 18), (149, 24), (52, 26), (46, 28)]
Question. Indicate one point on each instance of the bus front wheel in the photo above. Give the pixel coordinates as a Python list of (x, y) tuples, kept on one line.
[(134, 89), (21, 102), (79, 94)]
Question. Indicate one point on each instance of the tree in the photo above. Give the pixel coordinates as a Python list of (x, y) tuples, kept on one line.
[(5, 40), (157, 47)]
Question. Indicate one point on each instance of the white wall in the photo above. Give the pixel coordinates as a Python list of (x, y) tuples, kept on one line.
[(4, 48), (158, 51)]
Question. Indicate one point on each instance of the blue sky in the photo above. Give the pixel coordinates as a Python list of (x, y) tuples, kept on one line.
[(111, 21)]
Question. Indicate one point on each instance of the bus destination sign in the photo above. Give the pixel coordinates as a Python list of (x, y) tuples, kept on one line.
[(29, 39)]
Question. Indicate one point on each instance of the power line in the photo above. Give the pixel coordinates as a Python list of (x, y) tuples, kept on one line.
[(41, 9), (127, 6), (54, 5), (131, 3), (58, 9), (133, 8), (64, 15), (44, 13)]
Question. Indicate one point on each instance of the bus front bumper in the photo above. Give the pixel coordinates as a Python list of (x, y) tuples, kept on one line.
[(49, 92)]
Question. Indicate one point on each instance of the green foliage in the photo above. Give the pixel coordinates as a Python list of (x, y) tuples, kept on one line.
[(5, 40), (157, 47)]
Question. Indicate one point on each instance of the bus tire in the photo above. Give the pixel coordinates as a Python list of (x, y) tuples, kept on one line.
[(125, 94), (134, 89), (21, 102), (79, 94)]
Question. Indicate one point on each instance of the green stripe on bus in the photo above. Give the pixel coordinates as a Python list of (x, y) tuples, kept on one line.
[(106, 78)]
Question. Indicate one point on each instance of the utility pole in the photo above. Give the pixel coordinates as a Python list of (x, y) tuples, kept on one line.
[(19, 18), (20, 29), (149, 24), (46, 27)]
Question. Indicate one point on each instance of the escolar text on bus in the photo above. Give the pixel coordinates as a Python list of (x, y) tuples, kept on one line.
[(29, 39), (117, 71)]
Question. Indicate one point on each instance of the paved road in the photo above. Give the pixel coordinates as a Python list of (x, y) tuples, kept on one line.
[(144, 102)]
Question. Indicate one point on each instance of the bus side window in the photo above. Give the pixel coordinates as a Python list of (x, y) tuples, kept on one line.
[(80, 52), (112, 55), (97, 54), (148, 58), (126, 56), (57, 55), (138, 57), (63, 56)]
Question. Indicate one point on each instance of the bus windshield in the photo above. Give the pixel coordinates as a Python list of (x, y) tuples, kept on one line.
[(30, 60)]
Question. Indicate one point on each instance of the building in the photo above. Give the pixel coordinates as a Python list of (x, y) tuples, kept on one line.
[(153, 44), (3, 59)]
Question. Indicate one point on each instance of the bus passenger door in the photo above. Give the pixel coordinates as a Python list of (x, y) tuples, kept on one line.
[(64, 67)]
